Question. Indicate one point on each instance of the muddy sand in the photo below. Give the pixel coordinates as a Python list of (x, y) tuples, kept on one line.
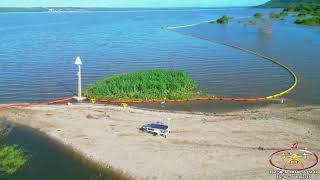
[(234, 145)]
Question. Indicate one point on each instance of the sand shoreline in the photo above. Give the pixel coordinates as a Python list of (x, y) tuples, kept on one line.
[(234, 145)]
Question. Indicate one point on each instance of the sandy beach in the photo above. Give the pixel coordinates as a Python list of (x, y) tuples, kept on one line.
[(234, 145)]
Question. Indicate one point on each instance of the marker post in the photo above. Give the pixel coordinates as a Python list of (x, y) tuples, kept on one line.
[(79, 63)]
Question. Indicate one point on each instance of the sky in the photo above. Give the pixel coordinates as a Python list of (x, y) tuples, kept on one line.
[(129, 3)]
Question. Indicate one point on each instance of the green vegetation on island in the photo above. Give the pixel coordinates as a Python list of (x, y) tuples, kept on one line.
[(312, 21), (301, 7), (258, 15), (312, 10), (223, 20), (304, 9), (145, 85)]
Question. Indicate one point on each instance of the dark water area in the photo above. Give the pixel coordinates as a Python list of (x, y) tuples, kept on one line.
[(37, 52), (49, 160)]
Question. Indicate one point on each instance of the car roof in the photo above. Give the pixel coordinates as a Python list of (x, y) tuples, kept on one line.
[(158, 126)]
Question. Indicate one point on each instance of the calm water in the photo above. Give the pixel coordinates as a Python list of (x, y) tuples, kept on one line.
[(37, 52), (49, 161)]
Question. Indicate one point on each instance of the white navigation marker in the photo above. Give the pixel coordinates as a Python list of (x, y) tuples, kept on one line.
[(79, 63)]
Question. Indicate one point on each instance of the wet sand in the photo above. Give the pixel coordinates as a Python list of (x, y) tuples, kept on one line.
[(234, 145)]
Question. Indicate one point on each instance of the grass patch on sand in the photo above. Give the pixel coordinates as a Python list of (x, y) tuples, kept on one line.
[(143, 85), (12, 158)]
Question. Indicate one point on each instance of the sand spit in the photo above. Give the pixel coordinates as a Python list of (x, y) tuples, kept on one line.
[(234, 145)]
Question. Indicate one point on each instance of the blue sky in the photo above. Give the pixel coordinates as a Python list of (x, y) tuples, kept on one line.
[(129, 3)]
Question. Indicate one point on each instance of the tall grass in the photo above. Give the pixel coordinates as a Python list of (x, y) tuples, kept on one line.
[(12, 159), (151, 84)]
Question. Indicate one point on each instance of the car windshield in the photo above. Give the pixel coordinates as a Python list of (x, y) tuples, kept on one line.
[(158, 126)]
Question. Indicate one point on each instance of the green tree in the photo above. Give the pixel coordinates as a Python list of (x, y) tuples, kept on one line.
[(258, 15), (223, 20)]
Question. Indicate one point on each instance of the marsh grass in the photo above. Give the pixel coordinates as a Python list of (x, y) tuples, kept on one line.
[(12, 159), (151, 84)]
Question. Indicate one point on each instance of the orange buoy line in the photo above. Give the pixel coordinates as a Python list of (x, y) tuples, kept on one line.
[(60, 101), (288, 90)]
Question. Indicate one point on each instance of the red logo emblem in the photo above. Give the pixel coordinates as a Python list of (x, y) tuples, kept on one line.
[(294, 158)]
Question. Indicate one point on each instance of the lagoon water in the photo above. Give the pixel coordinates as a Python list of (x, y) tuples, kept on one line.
[(37, 52), (49, 160)]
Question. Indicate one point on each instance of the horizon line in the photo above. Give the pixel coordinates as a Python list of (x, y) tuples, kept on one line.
[(125, 7)]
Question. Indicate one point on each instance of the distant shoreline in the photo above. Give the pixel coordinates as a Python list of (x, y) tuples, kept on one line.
[(99, 9)]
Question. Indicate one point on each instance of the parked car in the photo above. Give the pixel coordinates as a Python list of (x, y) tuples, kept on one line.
[(156, 129)]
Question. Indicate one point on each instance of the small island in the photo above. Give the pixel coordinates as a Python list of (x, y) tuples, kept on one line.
[(223, 20), (145, 85), (258, 15)]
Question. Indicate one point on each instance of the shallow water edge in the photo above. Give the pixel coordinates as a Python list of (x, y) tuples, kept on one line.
[(105, 171)]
